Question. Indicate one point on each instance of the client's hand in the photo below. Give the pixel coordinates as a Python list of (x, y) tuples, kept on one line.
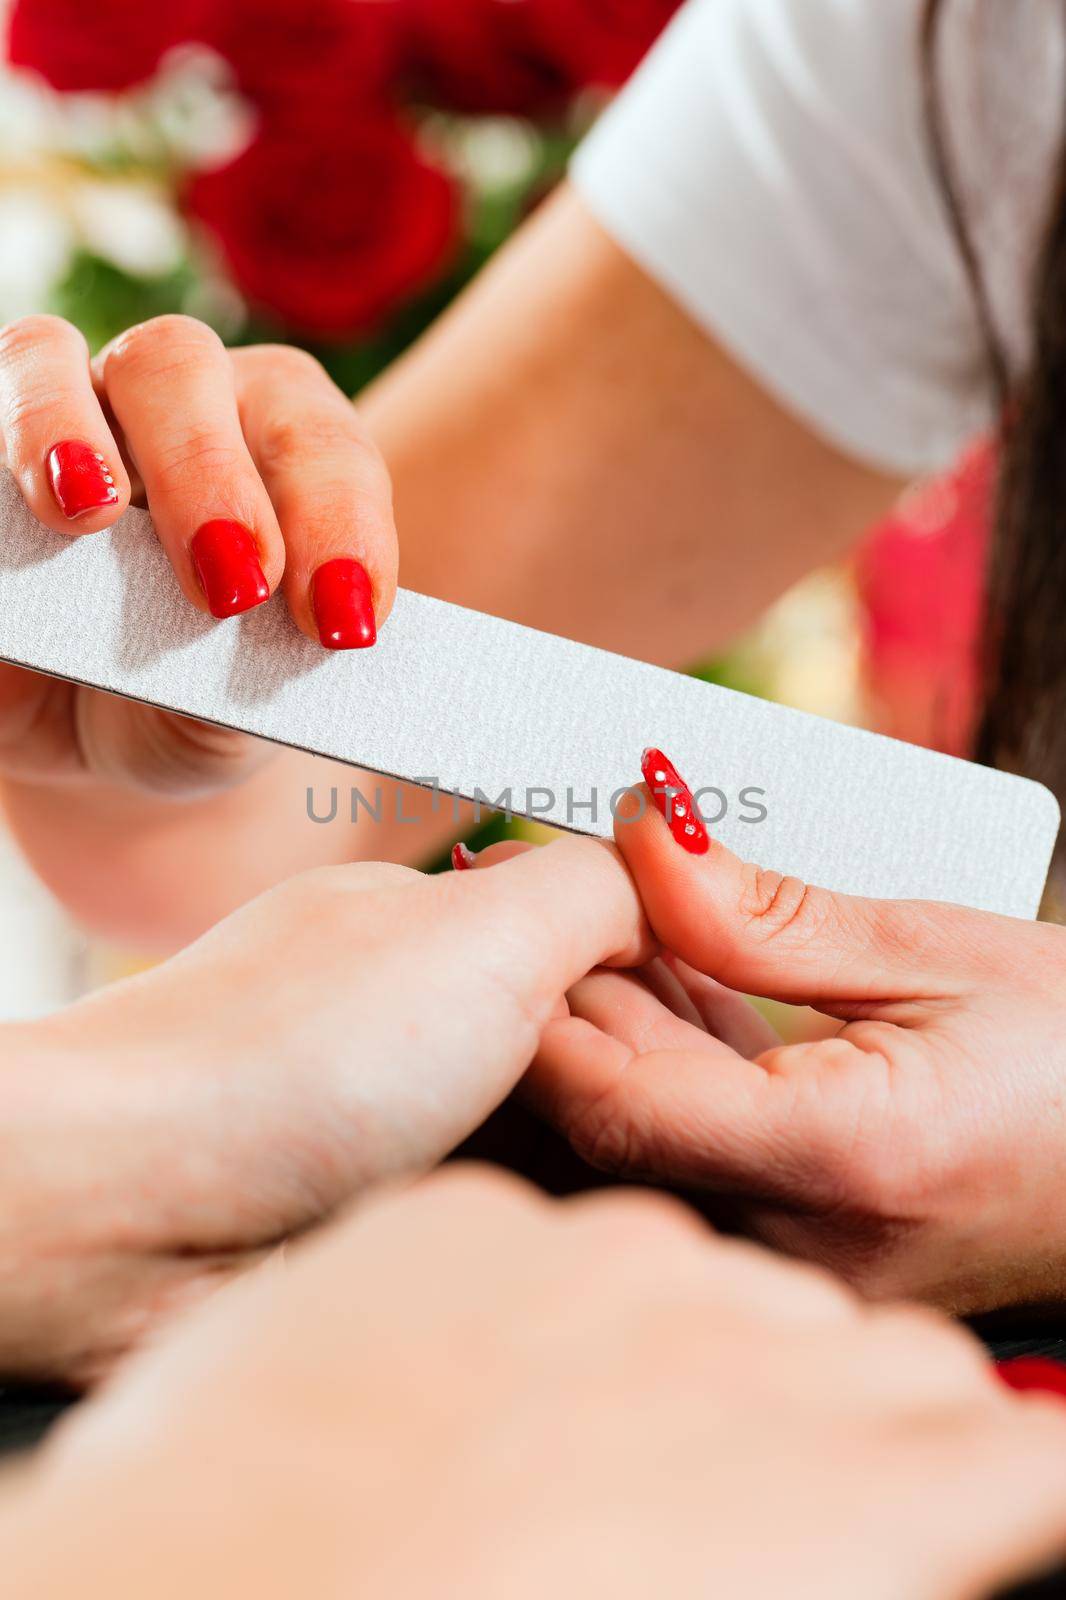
[(470, 1390), (920, 1151), (352, 1025), (258, 475)]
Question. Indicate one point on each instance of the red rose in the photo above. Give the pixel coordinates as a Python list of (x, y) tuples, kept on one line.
[(482, 55), (599, 41), (330, 232), (296, 55), (97, 44)]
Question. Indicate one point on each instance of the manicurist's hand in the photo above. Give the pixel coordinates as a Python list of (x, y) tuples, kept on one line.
[(258, 475), (351, 1026), (471, 1390), (919, 1151)]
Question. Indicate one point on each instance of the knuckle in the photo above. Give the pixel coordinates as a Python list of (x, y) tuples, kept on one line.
[(308, 890), (916, 1336), (25, 336), (169, 343), (478, 1187), (808, 1283), (286, 360), (207, 452), (27, 408), (634, 1220), (773, 904), (286, 439), (338, 892)]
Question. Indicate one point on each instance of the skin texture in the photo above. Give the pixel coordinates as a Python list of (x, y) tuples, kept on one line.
[(566, 449), (917, 1152), (468, 1387), (163, 1134)]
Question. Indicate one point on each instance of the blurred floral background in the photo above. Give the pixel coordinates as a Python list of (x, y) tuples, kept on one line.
[(331, 172)]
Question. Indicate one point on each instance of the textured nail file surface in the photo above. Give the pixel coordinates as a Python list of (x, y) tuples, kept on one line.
[(483, 705)]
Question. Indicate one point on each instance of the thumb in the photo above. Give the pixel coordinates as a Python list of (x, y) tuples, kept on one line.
[(767, 934)]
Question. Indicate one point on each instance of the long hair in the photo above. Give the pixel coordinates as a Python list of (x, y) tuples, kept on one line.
[(1023, 722)]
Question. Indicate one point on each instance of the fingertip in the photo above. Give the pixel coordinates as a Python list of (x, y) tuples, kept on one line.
[(630, 807), (674, 801), (76, 488), (382, 565), (228, 565), (686, 892), (496, 854), (343, 605), (463, 858), (573, 898), (644, 839)]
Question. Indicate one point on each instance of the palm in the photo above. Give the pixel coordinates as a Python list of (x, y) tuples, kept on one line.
[(848, 1150)]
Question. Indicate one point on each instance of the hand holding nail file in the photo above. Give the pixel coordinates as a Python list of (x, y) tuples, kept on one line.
[(486, 708)]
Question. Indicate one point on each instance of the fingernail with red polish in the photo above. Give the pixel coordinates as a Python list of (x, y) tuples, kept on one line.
[(673, 799), (463, 857), (1034, 1373), (344, 606), (226, 559), (80, 477)]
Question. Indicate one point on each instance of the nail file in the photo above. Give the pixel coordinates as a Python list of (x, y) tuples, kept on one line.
[(554, 729)]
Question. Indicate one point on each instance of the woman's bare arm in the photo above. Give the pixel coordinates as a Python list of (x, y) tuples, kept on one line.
[(571, 451)]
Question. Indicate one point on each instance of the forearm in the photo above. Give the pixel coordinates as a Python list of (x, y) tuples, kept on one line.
[(568, 450)]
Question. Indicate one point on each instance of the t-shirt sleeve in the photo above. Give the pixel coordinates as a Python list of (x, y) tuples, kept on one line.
[(769, 167)]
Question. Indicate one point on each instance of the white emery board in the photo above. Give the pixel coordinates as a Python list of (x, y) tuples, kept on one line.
[(484, 707)]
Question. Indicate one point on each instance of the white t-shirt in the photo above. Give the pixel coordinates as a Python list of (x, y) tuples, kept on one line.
[(769, 167)]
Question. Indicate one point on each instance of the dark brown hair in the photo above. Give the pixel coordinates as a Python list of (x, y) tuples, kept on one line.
[(1023, 724)]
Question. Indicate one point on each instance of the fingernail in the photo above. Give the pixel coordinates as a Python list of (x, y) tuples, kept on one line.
[(463, 857), (1029, 1373), (673, 799), (80, 477), (226, 559), (344, 606)]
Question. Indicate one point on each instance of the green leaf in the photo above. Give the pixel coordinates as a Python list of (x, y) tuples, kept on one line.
[(101, 299)]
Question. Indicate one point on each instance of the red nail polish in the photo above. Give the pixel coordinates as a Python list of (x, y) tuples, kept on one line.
[(674, 800), (344, 606), (1028, 1373), (80, 477), (463, 857), (226, 559)]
